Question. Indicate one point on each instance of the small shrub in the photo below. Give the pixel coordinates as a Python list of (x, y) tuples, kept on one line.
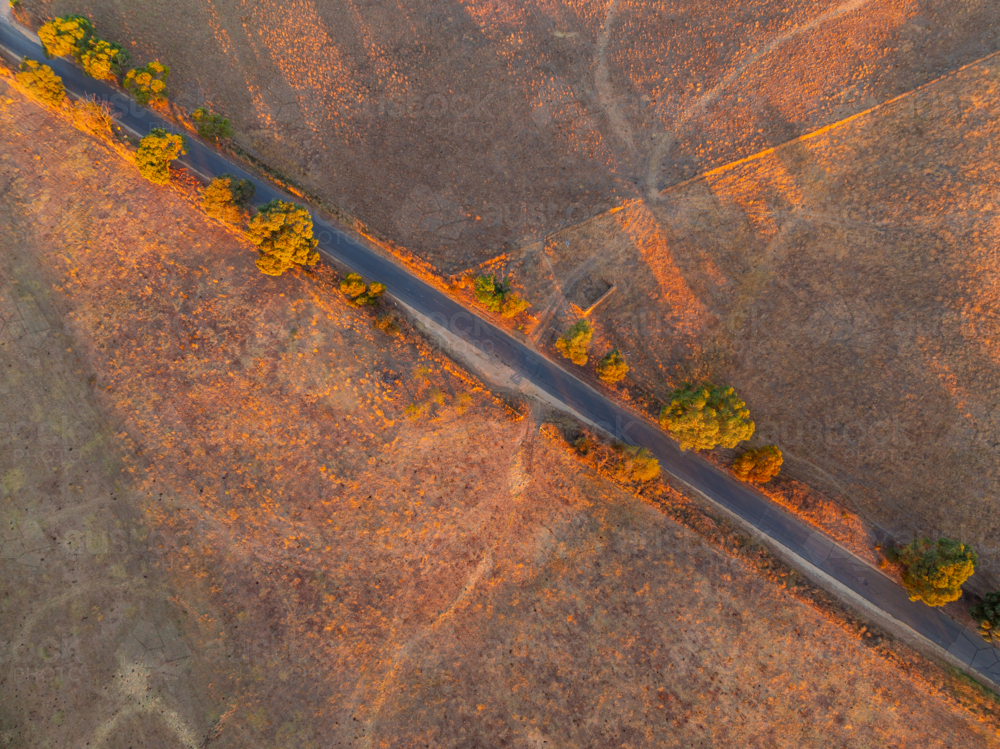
[(228, 199), (760, 465), (65, 36), (701, 417), (636, 464), (283, 235), (462, 403), (583, 444), (94, 116), (496, 295), (388, 323), (353, 287), (573, 343), (41, 82), (149, 84), (489, 292), (933, 572), (987, 614), (375, 290), (155, 153), (513, 305), (612, 368), (103, 60), (210, 126)]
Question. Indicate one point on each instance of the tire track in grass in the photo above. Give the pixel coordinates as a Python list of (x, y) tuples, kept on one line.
[(668, 139)]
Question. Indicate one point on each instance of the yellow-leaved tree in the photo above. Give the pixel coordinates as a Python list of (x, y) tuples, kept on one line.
[(155, 153), (574, 342), (75, 36), (103, 60), (612, 367), (933, 572), (701, 417), (65, 36), (149, 84), (41, 82), (497, 295), (636, 464), (283, 235), (228, 199), (359, 295), (759, 466)]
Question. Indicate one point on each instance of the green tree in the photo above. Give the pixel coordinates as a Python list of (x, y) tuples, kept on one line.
[(210, 126), (353, 287), (573, 343), (283, 235), (155, 153), (497, 295), (489, 292), (612, 367), (103, 60), (987, 613), (636, 464), (41, 82), (933, 572), (228, 199), (700, 417), (65, 36), (149, 84), (760, 465)]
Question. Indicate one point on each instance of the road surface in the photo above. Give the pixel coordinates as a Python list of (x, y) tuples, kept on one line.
[(811, 547)]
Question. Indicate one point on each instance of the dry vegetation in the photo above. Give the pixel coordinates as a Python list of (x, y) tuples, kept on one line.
[(846, 284), (459, 129), (258, 546)]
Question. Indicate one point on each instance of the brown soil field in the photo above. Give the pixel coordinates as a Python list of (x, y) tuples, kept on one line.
[(459, 129), (847, 285), (236, 514)]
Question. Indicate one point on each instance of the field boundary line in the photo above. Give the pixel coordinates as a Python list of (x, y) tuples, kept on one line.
[(715, 171)]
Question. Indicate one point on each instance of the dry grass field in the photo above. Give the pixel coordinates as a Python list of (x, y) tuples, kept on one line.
[(459, 129), (225, 523), (847, 285)]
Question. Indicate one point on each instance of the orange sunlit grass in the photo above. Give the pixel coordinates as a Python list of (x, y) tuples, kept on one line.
[(361, 557)]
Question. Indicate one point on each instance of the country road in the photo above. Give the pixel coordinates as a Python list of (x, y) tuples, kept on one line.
[(803, 546)]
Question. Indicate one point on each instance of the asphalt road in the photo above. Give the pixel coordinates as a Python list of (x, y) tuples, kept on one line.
[(772, 522)]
